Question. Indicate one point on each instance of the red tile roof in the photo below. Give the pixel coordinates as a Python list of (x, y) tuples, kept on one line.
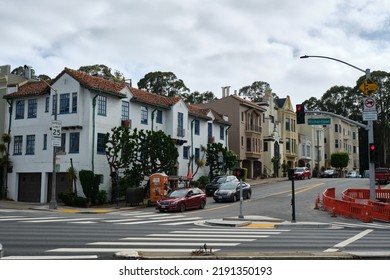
[(95, 83), (154, 99), (30, 88)]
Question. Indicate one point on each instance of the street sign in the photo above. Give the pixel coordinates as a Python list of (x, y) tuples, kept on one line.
[(319, 121), (56, 127), (370, 116), (369, 104), (368, 86)]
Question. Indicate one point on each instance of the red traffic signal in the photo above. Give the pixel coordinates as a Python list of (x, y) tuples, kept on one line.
[(373, 153), (300, 113), (239, 173)]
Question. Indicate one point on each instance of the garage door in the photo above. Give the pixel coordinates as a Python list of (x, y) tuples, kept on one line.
[(62, 184), (29, 187)]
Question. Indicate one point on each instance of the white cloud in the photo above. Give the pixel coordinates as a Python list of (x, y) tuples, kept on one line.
[(207, 44)]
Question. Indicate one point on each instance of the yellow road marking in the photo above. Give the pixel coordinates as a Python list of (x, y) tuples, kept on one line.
[(260, 225)]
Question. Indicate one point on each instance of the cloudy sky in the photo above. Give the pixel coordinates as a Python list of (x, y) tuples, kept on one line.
[(206, 43)]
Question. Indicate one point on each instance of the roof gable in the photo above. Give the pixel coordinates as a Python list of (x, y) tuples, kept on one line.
[(30, 88)]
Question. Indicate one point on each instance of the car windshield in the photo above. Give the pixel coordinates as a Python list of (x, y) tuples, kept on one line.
[(299, 169), (178, 193), (219, 180), (328, 171), (228, 186)]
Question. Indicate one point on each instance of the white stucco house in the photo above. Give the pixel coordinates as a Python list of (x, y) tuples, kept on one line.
[(88, 107)]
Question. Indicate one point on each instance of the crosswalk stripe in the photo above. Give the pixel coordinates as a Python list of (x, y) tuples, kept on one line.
[(156, 221), (22, 219), (59, 257), (163, 244), (210, 235), (225, 232), (113, 250), (237, 239), (58, 219)]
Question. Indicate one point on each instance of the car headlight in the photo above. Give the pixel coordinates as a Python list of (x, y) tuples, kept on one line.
[(173, 202)]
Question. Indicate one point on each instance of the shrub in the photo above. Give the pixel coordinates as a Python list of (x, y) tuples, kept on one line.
[(101, 197), (90, 184)]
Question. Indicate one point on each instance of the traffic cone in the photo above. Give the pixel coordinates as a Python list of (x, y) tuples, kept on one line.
[(316, 205), (333, 214)]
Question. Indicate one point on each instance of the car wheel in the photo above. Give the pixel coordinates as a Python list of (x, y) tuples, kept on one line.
[(202, 203), (182, 207)]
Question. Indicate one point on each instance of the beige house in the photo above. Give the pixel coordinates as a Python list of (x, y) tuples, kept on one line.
[(342, 136), (245, 134), (289, 131)]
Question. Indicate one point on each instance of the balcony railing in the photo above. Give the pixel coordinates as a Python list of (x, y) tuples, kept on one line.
[(254, 127), (181, 132)]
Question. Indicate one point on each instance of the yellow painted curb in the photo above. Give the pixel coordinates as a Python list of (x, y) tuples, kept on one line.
[(258, 225), (69, 211)]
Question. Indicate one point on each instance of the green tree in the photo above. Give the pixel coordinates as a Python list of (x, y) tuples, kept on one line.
[(198, 98), (255, 91), (339, 160), (103, 71), (163, 83)]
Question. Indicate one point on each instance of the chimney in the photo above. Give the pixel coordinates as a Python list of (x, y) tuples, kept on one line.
[(27, 72), (223, 92), (227, 90)]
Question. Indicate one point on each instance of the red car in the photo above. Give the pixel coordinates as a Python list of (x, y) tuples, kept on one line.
[(182, 199), (300, 173)]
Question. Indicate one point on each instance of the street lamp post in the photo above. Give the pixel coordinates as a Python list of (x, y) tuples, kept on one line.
[(53, 201), (370, 126)]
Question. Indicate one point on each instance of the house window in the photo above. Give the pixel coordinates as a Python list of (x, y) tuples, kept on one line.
[(209, 129), (30, 144), (63, 143), (64, 103), (74, 102), (74, 142), (185, 152), (197, 127), (19, 110), (197, 154), (44, 141), (47, 102), (144, 115), (180, 125), (288, 145), (101, 148), (221, 132), (159, 117), (336, 143), (102, 105), (18, 145), (32, 108), (125, 110), (265, 143), (288, 125)]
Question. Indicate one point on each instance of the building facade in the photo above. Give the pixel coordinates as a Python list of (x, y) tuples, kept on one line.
[(89, 107)]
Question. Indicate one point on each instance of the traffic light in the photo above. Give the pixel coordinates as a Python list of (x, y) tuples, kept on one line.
[(239, 173), (373, 153), (300, 113)]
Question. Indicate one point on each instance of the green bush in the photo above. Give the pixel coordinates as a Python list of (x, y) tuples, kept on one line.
[(67, 197), (203, 181), (101, 197), (90, 184)]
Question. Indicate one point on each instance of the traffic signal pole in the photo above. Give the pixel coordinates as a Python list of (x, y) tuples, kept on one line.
[(369, 127)]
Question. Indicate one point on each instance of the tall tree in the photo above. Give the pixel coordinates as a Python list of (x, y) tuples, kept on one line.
[(198, 98), (103, 71), (163, 83), (255, 91)]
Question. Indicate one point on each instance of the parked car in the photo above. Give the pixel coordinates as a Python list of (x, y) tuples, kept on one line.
[(214, 185), (230, 191), (329, 173), (300, 173), (182, 199), (353, 174)]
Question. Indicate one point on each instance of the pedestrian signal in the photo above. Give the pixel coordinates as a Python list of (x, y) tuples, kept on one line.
[(239, 173)]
